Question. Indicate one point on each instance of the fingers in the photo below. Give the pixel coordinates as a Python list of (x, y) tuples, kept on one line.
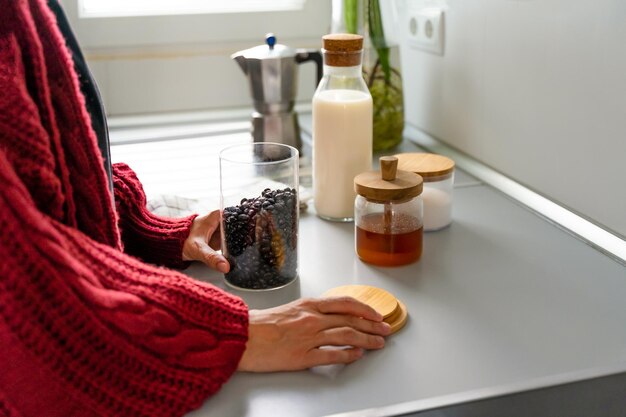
[(210, 226), (329, 353), (203, 239), (210, 257), (363, 325), (348, 305), (319, 357), (346, 336), (215, 240)]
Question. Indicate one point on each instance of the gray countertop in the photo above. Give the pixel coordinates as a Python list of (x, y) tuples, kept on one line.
[(501, 300), (500, 297)]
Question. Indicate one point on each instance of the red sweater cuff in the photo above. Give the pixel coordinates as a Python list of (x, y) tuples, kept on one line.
[(155, 239)]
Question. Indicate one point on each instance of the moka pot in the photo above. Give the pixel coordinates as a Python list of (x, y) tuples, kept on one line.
[(272, 71)]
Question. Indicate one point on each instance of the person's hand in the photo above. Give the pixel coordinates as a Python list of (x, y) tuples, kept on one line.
[(297, 335), (203, 242)]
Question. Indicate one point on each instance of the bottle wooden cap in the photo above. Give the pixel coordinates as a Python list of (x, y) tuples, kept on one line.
[(342, 42), (394, 312), (342, 49), (429, 166), (388, 184)]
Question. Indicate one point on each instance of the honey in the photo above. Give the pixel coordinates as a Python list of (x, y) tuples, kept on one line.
[(400, 245), (388, 218)]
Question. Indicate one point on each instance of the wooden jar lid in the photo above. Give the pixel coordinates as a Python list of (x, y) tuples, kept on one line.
[(377, 298), (388, 184), (398, 319), (427, 165), (394, 312), (342, 49)]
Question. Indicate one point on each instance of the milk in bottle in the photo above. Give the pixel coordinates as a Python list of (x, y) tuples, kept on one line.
[(342, 128)]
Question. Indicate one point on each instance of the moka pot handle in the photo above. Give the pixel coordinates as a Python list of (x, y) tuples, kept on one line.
[(304, 55)]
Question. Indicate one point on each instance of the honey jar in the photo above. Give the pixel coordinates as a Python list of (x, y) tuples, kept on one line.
[(388, 215)]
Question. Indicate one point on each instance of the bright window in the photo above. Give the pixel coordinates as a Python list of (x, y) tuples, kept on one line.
[(117, 8), (132, 23)]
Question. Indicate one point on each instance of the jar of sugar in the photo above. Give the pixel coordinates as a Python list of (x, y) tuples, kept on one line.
[(438, 174)]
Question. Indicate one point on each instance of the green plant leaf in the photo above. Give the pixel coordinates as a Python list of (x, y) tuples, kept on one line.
[(377, 36), (351, 14)]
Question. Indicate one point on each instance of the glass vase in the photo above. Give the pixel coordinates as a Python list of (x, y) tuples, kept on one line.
[(385, 86), (381, 67)]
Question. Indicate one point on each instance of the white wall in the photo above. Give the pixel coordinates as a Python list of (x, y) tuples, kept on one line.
[(183, 79), (534, 88)]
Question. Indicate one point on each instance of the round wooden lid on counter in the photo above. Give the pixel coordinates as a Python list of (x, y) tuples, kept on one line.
[(388, 184), (394, 312), (430, 166)]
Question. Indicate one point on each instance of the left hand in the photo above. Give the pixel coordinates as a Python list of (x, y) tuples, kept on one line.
[(204, 240)]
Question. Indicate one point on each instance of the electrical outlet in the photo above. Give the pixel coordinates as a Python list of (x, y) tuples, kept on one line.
[(425, 30)]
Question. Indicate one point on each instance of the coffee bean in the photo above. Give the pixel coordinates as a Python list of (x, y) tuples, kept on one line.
[(261, 240)]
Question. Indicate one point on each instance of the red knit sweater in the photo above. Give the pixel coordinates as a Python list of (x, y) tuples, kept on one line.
[(86, 329)]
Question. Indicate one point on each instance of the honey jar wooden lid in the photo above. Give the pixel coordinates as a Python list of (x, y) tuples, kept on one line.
[(427, 165), (342, 49), (388, 184), (394, 312)]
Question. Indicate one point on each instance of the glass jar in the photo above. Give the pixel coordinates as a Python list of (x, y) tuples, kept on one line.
[(259, 206), (388, 215), (438, 174), (342, 127)]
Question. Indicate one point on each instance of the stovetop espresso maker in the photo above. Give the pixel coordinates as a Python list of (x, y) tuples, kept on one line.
[(273, 74)]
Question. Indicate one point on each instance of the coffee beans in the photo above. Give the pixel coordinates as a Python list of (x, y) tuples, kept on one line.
[(261, 239)]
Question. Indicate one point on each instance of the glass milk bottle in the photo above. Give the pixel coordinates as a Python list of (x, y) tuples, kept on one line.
[(342, 127)]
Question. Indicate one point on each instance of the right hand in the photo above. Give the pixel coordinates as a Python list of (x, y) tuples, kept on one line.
[(289, 337)]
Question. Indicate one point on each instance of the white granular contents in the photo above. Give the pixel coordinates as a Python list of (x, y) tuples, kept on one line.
[(437, 208)]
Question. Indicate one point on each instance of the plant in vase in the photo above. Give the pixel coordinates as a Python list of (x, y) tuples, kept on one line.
[(382, 77)]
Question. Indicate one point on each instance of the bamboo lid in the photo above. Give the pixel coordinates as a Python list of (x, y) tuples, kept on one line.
[(342, 49), (427, 165), (388, 184), (398, 319), (377, 298), (394, 312)]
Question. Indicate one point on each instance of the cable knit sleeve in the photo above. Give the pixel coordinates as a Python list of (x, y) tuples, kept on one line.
[(155, 239), (88, 330)]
